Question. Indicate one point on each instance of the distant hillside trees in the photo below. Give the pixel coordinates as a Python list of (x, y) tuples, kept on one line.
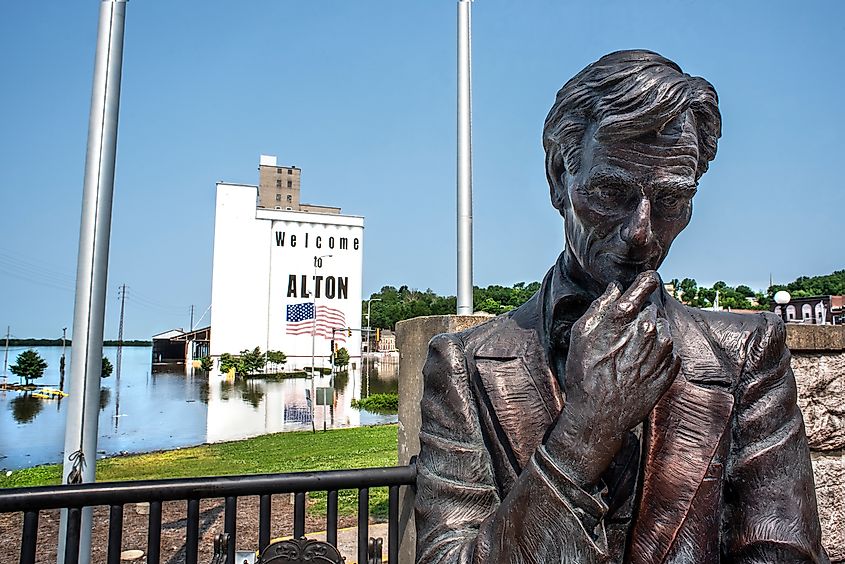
[(405, 303), (804, 286), (741, 297)]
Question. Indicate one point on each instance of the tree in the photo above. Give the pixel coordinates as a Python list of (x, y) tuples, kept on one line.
[(689, 290), (206, 363), (107, 368), (29, 365), (252, 361), (744, 290), (676, 285), (341, 357), (248, 362), (228, 362), (276, 358)]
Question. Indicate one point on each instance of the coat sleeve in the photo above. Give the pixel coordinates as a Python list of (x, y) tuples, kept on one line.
[(460, 516), (770, 496)]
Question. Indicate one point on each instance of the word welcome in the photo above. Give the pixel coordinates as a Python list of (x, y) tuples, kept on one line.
[(319, 241)]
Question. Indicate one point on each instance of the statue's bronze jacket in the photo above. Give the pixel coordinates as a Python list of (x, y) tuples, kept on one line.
[(722, 474)]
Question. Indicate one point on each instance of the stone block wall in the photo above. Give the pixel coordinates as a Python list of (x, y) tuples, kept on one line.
[(818, 361)]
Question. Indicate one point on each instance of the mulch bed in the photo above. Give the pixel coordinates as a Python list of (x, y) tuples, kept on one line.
[(135, 522)]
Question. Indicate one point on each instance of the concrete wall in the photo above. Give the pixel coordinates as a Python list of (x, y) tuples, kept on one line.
[(818, 361), (412, 337)]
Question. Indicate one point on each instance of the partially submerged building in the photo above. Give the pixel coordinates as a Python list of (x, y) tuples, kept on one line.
[(285, 277)]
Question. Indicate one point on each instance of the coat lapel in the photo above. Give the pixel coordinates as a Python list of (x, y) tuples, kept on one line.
[(520, 387), (681, 437)]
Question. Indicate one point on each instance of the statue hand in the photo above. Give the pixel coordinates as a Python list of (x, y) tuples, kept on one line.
[(620, 362)]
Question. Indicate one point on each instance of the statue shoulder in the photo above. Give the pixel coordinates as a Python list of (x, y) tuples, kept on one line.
[(470, 339), (750, 337)]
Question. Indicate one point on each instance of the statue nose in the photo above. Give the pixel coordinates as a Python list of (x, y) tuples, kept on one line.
[(637, 230)]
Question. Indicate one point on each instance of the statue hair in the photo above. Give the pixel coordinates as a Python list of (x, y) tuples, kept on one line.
[(626, 95)]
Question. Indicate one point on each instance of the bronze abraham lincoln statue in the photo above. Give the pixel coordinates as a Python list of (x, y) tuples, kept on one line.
[(603, 421)]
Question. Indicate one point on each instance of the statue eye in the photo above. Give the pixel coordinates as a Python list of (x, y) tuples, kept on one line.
[(672, 203), (613, 194)]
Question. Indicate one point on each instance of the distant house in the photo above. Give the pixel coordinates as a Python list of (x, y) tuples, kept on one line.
[(166, 350), (387, 341), (817, 310), (178, 347)]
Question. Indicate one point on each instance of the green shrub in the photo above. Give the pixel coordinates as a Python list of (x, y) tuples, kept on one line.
[(378, 403)]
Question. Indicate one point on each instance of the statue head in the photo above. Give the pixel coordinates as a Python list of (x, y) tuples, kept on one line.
[(626, 142)]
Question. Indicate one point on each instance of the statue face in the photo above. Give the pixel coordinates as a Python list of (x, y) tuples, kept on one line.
[(628, 202)]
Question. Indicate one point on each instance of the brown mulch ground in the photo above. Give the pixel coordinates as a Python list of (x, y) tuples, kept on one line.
[(135, 522)]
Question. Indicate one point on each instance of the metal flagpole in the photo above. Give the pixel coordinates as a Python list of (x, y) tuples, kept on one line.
[(92, 266), (464, 157)]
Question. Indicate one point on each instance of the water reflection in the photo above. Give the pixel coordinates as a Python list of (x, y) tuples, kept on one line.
[(105, 398), (169, 406), (25, 408)]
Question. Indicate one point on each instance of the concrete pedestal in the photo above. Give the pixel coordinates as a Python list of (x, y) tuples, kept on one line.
[(412, 337)]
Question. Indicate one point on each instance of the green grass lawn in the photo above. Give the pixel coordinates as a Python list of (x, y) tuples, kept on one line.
[(339, 449)]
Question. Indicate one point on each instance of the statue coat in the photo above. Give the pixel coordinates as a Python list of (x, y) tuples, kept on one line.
[(720, 472)]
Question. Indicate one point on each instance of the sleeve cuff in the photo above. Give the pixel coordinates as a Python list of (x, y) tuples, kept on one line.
[(588, 507)]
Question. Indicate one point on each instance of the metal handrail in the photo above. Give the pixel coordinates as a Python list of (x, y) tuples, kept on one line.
[(111, 493), (31, 501)]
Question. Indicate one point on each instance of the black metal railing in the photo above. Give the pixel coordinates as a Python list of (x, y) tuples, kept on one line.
[(30, 501)]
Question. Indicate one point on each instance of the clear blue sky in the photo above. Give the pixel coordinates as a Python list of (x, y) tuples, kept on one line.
[(361, 96)]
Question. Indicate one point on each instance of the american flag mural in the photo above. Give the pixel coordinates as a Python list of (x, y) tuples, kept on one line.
[(300, 320)]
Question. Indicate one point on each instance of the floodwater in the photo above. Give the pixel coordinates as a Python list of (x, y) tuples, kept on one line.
[(169, 406)]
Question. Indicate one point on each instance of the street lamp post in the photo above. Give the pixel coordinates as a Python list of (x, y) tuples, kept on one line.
[(367, 369), (782, 298), (318, 263)]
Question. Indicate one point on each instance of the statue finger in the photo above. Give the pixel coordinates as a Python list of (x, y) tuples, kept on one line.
[(599, 306), (631, 302)]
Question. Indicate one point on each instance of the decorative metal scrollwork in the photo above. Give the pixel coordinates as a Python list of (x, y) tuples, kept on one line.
[(297, 551)]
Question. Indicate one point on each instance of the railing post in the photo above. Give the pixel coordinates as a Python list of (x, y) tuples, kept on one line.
[(264, 522), (393, 525), (29, 540), (331, 518), (154, 533), (363, 524), (192, 531), (230, 526), (299, 515), (74, 516), (115, 533)]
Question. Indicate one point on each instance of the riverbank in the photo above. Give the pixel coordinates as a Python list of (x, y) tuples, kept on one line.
[(336, 449)]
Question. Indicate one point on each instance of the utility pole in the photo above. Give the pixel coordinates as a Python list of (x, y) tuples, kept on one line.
[(464, 301), (62, 361), (119, 358), (6, 355), (80, 447), (366, 364), (318, 263)]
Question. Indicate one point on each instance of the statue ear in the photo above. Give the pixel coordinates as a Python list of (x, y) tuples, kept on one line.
[(556, 176)]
